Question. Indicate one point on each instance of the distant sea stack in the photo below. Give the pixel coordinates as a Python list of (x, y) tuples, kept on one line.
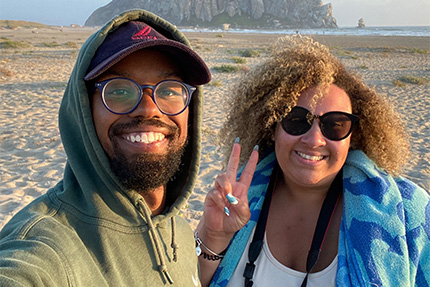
[(361, 23), (275, 14)]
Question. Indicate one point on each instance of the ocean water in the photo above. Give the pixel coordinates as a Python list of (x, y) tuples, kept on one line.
[(376, 31)]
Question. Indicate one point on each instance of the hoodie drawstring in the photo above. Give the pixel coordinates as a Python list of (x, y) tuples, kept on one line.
[(174, 245), (156, 240)]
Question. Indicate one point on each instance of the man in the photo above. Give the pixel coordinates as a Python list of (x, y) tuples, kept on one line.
[(129, 123)]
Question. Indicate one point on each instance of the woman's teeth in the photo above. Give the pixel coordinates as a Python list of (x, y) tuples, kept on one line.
[(146, 138), (310, 157)]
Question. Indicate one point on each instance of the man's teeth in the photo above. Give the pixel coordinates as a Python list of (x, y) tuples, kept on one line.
[(310, 157), (146, 137)]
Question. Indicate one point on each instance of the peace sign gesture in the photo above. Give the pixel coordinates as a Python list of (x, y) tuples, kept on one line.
[(226, 207), (216, 228)]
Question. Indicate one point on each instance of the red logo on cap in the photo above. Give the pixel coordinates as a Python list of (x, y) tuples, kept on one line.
[(144, 34)]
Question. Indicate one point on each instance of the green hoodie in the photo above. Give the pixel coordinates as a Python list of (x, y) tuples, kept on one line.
[(90, 231)]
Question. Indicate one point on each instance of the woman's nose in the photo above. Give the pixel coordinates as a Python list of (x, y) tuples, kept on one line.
[(314, 137)]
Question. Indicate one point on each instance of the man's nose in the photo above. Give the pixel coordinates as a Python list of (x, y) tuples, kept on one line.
[(147, 107)]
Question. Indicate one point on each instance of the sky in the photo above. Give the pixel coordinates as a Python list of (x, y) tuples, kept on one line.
[(346, 12)]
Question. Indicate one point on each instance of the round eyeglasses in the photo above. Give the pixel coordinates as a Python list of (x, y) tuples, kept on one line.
[(122, 96), (334, 126)]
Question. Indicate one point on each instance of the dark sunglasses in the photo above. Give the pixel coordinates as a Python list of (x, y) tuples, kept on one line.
[(122, 96), (334, 126)]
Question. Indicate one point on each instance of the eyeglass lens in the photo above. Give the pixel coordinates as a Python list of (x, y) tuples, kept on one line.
[(334, 125), (123, 95)]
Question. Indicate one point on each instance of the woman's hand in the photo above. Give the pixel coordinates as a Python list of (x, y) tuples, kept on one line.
[(216, 228), (215, 216)]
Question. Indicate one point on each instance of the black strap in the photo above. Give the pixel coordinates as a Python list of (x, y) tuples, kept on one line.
[(257, 240), (324, 219)]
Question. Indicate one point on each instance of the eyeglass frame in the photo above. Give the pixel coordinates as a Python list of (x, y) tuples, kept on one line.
[(310, 117), (101, 85)]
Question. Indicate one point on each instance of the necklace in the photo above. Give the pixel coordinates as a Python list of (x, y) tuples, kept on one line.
[(324, 219)]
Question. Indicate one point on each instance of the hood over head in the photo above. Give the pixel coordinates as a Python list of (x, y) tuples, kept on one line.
[(88, 179), (136, 35)]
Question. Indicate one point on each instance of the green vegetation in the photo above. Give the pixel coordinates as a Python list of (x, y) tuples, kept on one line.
[(418, 51), (9, 44), (226, 68), (413, 80), (238, 60), (71, 45), (398, 83), (11, 24), (249, 53), (50, 45), (219, 35), (74, 53), (54, 44), (383, 50), (346, 54)]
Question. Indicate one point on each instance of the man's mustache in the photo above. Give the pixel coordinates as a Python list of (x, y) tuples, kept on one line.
[(135, 123)]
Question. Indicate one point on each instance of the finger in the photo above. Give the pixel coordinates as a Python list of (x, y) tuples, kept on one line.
[(223, 184), (233, 162), (241, 212), (248, 171), (225, 188), (215, 197)]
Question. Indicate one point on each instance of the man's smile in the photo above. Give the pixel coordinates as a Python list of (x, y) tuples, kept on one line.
[(144, 137)]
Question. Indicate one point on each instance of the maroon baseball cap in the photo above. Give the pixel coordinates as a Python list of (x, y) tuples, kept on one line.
[(136, 35)]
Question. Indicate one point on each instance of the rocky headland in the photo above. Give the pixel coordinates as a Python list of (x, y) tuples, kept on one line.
[(274, 14)]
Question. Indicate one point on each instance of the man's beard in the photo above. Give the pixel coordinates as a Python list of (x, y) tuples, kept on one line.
[(146, 172)]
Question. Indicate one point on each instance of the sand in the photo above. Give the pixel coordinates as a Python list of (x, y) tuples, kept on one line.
[(33, 79)]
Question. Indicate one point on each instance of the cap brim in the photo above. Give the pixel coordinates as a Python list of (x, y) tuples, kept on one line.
[(193, 67)]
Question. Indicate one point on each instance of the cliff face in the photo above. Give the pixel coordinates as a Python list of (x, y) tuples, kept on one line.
[(238, 13)]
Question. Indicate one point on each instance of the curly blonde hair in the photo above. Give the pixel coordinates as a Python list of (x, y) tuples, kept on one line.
[(268, 92)]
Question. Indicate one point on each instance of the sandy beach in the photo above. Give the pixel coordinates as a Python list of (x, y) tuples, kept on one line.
[(34, 74)]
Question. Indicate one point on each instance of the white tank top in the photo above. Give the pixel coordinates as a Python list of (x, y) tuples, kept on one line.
[(269, 272)]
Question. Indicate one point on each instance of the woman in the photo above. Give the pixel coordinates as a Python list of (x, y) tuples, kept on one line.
[(326, 205)]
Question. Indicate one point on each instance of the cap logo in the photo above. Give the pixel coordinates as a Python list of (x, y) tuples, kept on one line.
[(144, 34)]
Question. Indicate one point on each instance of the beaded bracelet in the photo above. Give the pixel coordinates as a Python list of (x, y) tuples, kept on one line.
[(213, 256)]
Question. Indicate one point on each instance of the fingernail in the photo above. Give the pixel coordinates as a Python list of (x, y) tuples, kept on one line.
[(237, 140), (232, 199), (256, 147), (226, 211)]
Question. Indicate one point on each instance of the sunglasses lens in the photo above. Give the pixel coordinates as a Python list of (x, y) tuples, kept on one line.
[(296, 123), (121, 95), (335, 126)]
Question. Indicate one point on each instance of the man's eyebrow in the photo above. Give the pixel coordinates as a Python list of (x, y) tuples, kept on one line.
[(125, 74), (170, 74)]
